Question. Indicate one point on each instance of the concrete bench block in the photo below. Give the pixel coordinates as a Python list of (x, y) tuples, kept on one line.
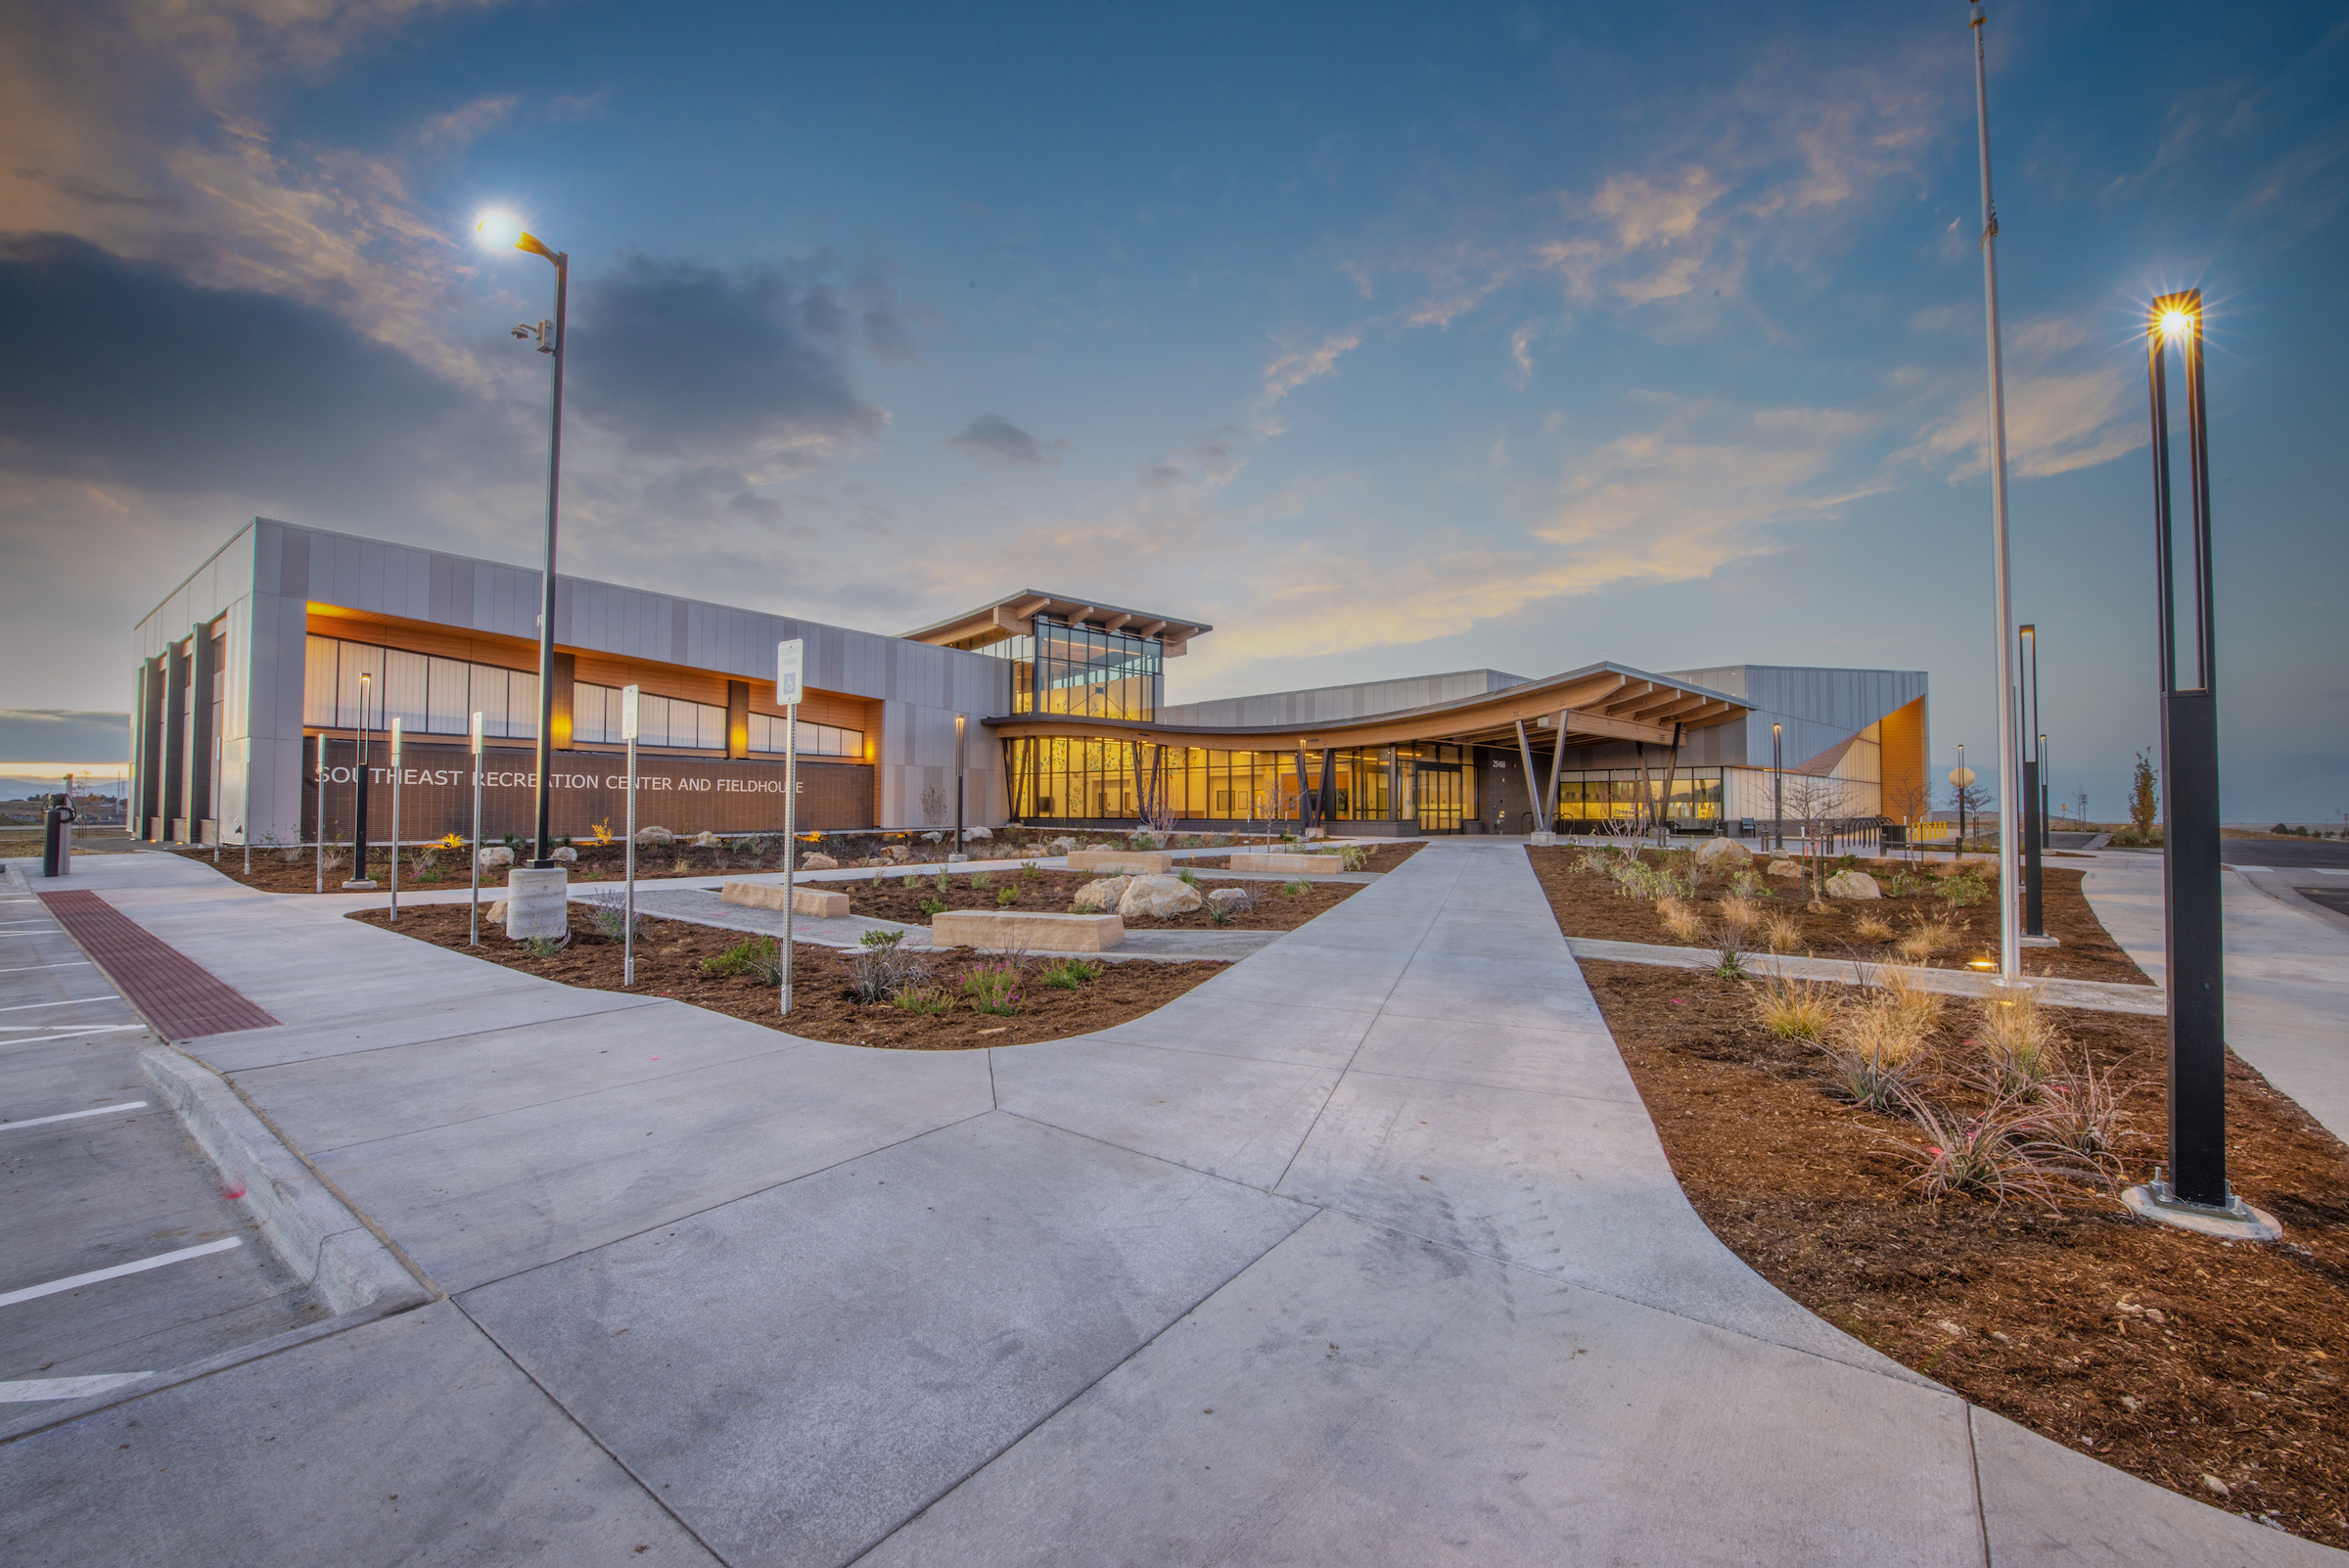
[(996, 930), (1142, 862), (813, 901), (1312, 865)]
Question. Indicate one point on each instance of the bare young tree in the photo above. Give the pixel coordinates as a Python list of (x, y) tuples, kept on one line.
[(1970, 801), (1912, 801), (1817, 805)]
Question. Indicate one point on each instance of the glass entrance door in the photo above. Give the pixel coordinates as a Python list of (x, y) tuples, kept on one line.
[(1442, 798)]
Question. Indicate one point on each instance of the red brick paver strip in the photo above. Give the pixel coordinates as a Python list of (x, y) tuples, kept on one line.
[(179, 997)]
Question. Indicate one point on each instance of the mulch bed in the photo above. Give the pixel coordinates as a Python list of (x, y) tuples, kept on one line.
[(1050, 892), (669, 955), (1588, 904), (429, 870), (2213, 1369)]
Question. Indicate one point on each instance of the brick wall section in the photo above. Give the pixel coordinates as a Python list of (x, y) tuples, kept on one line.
[(179, 997)]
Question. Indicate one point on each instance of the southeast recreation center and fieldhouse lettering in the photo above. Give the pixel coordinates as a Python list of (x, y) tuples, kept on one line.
[(380, 778)]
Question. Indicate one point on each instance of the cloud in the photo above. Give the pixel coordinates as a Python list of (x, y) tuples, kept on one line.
[(676, 358), (992, 439), (1212, 461), (1289, 371), (123, 371), (62, 734), (2067, 409)]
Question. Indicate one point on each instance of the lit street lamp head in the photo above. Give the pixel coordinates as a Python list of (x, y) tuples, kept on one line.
[(503, 228), (2177, 317)]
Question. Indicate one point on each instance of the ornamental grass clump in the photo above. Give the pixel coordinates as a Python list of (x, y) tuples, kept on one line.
[(2081, 1114), (1997, 1153), (1874, 1052), (1871, 928), (928, 1000), (1924, 939), (1296, 890), (1070, 974), (755, 957), (883, 967), (1680, 918), (2023, 1047), (1795, 1009), (1779, 933)]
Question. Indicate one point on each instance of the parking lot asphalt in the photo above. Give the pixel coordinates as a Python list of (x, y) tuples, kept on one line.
[(121, 1256)]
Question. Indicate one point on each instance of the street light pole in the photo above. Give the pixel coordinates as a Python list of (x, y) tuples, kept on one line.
[(1777, 787), (552, 340), (2009, 946), (2195, 940)]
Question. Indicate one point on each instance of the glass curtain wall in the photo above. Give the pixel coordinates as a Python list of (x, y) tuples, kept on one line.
[(1080, 668), (1089, 779), (1613, 795)]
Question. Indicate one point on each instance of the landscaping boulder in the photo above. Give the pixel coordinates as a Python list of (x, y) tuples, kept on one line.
[(654, 835), (565, 854), (706, 840), (1726, 853), (817, 862), (1785, 868), (977, 834), (495, 914), (1158, 899), (1226, 898), (898, 853), (1062, 845), (1853, 885), (496, 858), (932, 838), (1099, 897)]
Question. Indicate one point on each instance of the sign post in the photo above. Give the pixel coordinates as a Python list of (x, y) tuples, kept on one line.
[(628, 939), (789, 659), (473, 934), (396, 819)]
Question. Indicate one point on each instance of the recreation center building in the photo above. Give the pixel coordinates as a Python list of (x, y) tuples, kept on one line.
[(1035, 707)]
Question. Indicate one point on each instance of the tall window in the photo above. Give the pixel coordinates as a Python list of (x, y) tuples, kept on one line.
[(1082, 669)]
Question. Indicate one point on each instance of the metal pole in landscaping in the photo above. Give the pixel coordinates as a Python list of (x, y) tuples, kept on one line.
[(321, 810), (473, 932), (628, 949), (2010, 962), (2033, 828), (789, 658), (396, 819), (1777, 787), (358, 846), (2189, 785), (959, 765)]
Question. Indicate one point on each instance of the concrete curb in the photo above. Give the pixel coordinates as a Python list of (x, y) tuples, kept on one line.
[(345, 1264)]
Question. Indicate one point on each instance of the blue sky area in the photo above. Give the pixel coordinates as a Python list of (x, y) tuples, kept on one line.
[(1387, 340)]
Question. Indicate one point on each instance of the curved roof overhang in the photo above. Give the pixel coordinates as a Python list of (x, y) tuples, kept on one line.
[(1600, 703)]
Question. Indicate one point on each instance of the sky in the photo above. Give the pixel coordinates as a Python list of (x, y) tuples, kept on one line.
[(1387, 339)]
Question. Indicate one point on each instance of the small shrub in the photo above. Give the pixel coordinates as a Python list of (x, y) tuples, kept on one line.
[(1296, 890), (1070, 974), (925, 999), (1795, 1009), (683, 868), (1962, 889), (1005, 897), (1027, 871), (933, 907), (1219, 914), (1356, 857), (982, 879), (334, 860), (544, 947), (993, 989), (1728, 946), (1679, 917), (609, 912), (942, 882), (755, 957), (911, 882), (1748, 884), (1188, 877), (1904, 884)]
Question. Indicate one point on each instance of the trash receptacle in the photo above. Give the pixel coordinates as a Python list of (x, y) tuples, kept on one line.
[(56, 842)]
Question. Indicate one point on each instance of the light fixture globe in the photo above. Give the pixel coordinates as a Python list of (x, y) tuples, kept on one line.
[(498, 230)]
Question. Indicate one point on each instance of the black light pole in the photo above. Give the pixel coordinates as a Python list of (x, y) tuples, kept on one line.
[(358, 866), (2194, 951), (1777, 787), (2034, 804), (551, 341)]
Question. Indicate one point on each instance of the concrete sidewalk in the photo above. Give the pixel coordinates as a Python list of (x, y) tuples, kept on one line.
[(1363, 1252), (2287, 977)]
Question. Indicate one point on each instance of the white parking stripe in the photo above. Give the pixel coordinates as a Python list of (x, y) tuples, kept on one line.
[(67, 1388), (31, 1292), (76, 1116), (77, 1001), (61, 963)]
